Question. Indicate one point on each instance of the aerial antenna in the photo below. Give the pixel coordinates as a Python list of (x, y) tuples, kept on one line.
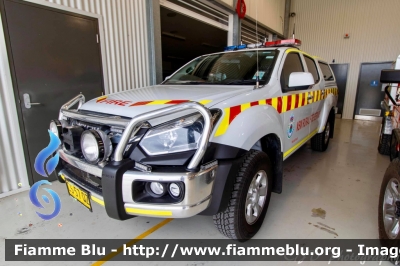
[(294, 27), (257, 76)]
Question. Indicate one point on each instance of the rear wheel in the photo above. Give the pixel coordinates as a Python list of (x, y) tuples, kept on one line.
[(321, 140), (249, 199)]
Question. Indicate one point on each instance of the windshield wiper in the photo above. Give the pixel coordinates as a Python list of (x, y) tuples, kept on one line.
[(240, 82)]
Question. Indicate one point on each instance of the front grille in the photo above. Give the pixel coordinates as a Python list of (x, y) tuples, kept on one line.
[(86, 180)]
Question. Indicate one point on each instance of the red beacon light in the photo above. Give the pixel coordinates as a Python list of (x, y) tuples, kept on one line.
[(288, 42)]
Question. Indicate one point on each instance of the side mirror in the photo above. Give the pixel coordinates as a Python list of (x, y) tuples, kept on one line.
[(167, 78), (300, 79)]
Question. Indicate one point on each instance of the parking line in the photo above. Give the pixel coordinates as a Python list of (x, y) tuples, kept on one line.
[(132, 242)]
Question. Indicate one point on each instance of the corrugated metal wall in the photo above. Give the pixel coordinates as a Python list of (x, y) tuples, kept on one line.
[(125, 36), (13, 176), (127, 66), (373, 25)]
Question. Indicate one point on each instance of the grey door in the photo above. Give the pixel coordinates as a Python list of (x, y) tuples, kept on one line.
[(369, 91), (53, 56), (340, 71)]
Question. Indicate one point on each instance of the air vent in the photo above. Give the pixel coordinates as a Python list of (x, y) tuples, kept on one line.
[(373, 112)]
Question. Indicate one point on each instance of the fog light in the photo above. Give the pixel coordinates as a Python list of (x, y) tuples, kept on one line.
[(156, 189), (174, 190)]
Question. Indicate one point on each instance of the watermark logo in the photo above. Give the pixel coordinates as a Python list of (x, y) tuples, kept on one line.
[(45, 169), (46, 153), (35, 200)]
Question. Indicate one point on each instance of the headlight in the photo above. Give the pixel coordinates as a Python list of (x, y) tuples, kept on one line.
[(95, 145), (56, 128), (180, 135)]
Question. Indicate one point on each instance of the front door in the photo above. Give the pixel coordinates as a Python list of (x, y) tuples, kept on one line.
[(53, 56), (295, 105)]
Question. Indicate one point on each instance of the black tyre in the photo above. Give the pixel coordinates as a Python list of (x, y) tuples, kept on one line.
[(249, 199), (384, 140), (320, 141), (384, 144), (389, 207), (394, 147)]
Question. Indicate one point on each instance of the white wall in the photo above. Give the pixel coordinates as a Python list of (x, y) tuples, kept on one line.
[(373, 25), (271, 13), (124, 44)]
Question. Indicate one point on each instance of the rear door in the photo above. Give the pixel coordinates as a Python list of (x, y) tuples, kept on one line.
[(53, 55), (295, 105), (328, 82), (316, 93)]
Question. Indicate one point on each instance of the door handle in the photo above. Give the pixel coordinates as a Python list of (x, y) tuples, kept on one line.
[(27, 101), (310, 97)]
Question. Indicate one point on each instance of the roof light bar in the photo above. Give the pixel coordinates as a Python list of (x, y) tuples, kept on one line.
[(235, 47), (288, 42), (255, 45)]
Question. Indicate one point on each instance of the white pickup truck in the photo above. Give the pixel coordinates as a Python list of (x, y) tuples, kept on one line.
[(210, 140)]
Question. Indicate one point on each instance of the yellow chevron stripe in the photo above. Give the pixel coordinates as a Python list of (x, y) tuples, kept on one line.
[(262, 102), (244, 106), (301, 95), (157, 102), (223, 126), (204, 102), (284, 103), (293, 101), (275, 103)]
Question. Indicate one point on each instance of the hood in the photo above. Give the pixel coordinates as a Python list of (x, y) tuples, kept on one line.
[(137, 101)]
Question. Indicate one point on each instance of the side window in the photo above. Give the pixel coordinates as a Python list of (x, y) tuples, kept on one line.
[(326, 71), (292, 64), (312, 68)]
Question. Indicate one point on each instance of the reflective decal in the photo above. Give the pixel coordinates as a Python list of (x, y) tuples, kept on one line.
[(281, 104), (290, 129)]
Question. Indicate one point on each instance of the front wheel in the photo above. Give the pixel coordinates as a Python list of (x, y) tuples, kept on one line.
[(249, 199), (389, 208)]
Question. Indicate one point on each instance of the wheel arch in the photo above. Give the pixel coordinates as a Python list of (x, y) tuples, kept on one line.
[(248, 127), (271, 144), (328, 112)]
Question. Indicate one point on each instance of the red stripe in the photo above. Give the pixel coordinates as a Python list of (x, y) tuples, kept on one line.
[(254, 103), (303, 101), (140, 103), (296, 104), (289, 103), (268, 101), (235, 110), (177, 101), (279, 105)]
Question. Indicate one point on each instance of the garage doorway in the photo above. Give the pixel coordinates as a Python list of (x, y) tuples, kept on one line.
[(184, 38), (340, 71), (369, 91), (53, 55)]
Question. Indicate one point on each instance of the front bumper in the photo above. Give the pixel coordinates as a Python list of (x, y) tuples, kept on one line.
[(117, 189)]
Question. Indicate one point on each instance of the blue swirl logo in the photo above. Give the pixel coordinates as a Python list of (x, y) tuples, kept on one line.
[(45, 169), (46, 153), (35, 201)]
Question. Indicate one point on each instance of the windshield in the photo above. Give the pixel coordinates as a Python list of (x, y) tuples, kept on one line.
[(227, 69)]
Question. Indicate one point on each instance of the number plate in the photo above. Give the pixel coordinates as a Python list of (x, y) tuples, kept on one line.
[(79, 194)]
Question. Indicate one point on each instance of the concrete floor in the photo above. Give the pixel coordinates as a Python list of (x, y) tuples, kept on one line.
[(344, 181)]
